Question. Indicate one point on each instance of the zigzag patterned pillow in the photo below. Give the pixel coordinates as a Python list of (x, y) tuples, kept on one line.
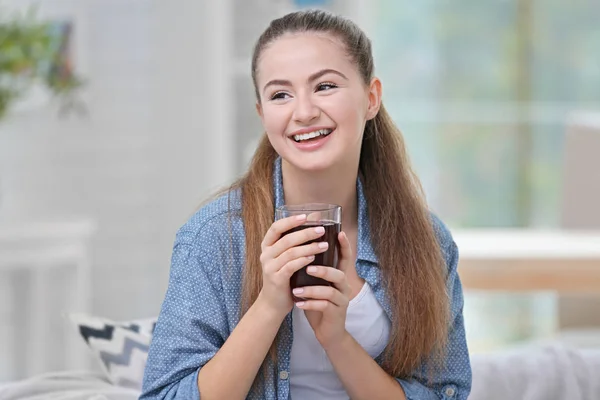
[(121, 347)]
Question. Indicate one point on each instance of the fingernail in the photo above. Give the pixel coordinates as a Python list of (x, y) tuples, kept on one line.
[(320, 229), (301, 217), (311, 269), (300, 303), (323, 245), (297, 290), (310, 258)]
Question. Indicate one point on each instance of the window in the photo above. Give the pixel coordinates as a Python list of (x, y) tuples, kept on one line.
[(482, 92)]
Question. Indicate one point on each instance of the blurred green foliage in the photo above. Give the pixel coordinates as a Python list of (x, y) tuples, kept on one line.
[(33, 52)]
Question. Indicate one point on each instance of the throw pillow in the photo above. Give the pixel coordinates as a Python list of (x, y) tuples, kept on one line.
[(120, 347)]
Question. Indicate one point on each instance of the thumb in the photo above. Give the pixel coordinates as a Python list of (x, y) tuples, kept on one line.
[(346, 260)]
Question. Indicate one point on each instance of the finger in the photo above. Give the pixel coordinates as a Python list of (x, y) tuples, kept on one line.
[(335, 276), (292, 266), (297, 238), (330, 274), (275, 265), (316, 305), (280, 227), (300, 251), (328, 293), (346, 255)]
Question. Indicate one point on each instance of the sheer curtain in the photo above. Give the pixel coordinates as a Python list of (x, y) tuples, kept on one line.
[(482, 91)]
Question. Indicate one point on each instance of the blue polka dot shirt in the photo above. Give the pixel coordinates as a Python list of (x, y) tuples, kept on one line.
[(201, 307)]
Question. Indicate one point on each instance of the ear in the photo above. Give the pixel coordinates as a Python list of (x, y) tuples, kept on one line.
[(374, 98), (259, 111)]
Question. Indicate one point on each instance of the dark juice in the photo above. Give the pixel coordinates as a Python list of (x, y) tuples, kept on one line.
[(329, 258)]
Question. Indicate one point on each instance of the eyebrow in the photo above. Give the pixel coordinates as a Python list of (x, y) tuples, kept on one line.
[(313, 77)]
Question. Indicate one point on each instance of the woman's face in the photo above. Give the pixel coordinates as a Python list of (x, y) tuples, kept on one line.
[(313, 103)]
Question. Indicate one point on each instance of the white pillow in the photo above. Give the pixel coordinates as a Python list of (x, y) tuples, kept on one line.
[(120, 347)]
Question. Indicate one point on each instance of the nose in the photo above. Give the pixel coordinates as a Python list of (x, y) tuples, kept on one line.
[(305, 111)]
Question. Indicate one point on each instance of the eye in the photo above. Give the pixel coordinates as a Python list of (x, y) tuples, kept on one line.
[(278, 96), (326, 86)]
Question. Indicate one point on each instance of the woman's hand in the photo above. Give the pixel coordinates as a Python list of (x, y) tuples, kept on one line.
[(282, 256), (325, 306)]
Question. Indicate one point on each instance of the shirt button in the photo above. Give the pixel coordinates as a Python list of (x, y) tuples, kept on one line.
[(450, 392), (283, 375)]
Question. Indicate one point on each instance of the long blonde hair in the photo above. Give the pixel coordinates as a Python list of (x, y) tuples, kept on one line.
[(410, 259)]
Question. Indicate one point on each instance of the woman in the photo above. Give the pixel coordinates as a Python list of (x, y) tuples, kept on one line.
[(228, 328)]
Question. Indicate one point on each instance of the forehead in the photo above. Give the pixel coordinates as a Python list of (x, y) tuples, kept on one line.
[(302, 53)]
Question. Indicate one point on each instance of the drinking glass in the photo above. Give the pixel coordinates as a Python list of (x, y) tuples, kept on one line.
[(329, 216)]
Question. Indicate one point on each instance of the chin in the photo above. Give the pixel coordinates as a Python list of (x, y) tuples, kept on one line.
[(312, 163)]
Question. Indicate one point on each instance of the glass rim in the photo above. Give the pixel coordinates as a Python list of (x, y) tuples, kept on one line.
[(308, 207)]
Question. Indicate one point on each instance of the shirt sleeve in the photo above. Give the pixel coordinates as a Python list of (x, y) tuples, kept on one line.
[(191, 327), (454, 383)]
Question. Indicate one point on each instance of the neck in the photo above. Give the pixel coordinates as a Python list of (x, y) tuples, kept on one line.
[(334, 186)]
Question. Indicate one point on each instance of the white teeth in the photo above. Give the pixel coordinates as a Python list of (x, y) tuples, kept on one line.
[(310, 135)]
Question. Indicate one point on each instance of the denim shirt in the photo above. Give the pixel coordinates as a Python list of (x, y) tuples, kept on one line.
[(201, 306)]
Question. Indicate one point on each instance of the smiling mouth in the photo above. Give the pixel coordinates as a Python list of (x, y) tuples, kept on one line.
[(305, 137)]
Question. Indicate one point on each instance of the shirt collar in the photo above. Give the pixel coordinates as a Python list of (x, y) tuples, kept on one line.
[(365, 249)]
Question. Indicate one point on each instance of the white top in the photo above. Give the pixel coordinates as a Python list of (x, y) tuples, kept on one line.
[(311, 374)]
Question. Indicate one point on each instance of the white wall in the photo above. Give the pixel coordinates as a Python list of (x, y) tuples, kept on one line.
[(156, 142), (169, 92)]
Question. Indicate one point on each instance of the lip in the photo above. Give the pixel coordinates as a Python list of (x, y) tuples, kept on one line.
[(313, 144), (307, 130)]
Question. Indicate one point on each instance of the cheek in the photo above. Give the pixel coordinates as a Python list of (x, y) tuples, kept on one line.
[(275, 125), (274, 119), (351, 114)]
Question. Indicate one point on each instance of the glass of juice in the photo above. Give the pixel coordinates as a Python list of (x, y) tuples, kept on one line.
[(329, 216)]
